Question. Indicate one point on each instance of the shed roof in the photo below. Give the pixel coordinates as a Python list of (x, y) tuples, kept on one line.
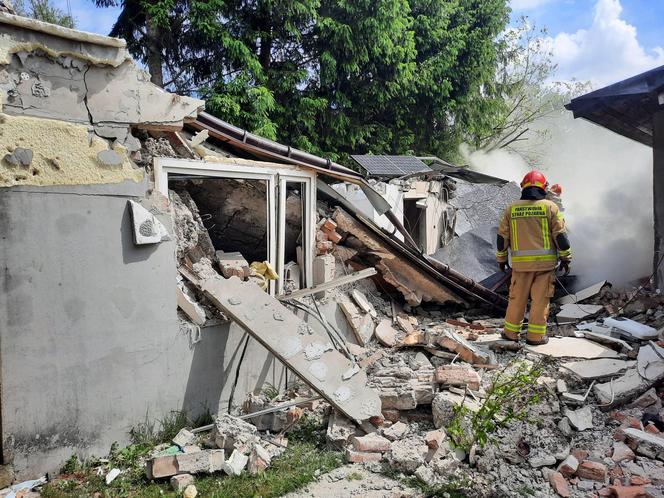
[(625, 107)]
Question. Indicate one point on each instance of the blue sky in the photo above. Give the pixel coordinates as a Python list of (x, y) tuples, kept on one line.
[(601, 41)]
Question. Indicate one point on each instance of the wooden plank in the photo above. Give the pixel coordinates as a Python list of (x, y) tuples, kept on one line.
[(297, 345), (346, 279)]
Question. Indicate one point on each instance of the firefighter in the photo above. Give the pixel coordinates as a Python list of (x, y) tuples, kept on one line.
[(533, 229)]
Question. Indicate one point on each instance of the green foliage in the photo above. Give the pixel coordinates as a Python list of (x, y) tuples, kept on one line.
[(512, 391), (309, 430), (71, 465), (330, 76), (270, 391), (43, 10)]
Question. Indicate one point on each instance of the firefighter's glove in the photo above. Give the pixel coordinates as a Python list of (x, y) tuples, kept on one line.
[(504, 266), (565, 266)]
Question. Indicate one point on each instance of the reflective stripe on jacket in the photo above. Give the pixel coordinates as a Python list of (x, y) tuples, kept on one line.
[(530, 230)]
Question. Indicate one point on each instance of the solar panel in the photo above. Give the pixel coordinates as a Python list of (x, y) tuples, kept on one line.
[(391, 165)]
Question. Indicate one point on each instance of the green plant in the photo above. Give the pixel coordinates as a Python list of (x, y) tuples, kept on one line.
[(270, 391), (71, 465), (354, 476), (311, 430), (512, 391)]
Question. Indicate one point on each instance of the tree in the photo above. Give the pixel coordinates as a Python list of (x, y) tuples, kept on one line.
[(330, 76), (43, 10)]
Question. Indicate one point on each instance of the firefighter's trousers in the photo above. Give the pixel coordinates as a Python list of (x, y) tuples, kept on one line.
[(538, 285)]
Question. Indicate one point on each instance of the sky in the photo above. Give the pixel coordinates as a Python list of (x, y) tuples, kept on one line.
[(601, 41)]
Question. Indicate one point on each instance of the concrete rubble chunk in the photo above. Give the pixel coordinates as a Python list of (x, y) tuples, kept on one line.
[(571, 313), (559, 484), (443, 406), (644, 443), (580, 419), (647, 399), (353, 397), (231, 432), (190, 492), (568, 466), (363, 303), (180, 482), (235, 464), (339, 430), (371, 443), (360, 323), (259, 460), (542, 461), (572, 347), (110, 159), (598, 369), (407, 455), (434, 439), (650, 364), (164, 466), (184, 438), (201, 462), (233, 263), (458, 375), (466, 351), (584, 294), (191, 308), (622, 452), (395, 431), (622, 389), (593, 471), (385, 333)]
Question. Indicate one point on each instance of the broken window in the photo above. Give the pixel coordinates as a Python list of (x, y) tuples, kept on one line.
[(262, 213)]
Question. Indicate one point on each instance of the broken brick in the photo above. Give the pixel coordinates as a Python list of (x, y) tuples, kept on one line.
[(559, 484), (392, 415), (622, 452), (371, 443), (593, 471), (652, 429), (619, 491), (164, 466), (458, 375), (362, 457), (569, 466)]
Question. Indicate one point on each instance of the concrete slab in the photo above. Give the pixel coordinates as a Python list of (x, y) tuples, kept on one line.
[(575, 312), (650, 362), (279, 330), (572, 347), (584, 294), (598, 369)]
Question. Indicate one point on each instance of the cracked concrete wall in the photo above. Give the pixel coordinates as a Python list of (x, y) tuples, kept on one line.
[(91, 342), (66, 75)]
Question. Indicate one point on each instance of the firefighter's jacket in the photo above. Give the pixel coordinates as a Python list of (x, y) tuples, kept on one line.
[(534, 232)]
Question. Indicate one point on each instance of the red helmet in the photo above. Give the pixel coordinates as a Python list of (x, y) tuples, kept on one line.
[(557, 189), (534, 179)]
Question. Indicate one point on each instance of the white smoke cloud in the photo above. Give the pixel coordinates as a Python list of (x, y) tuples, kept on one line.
[(607, 194), (606, 52)]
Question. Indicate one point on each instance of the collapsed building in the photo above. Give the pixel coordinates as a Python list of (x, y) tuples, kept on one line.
[(109, 186), (158, 259)]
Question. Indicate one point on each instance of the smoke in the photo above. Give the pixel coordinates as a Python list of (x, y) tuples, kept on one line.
[(607, 194)]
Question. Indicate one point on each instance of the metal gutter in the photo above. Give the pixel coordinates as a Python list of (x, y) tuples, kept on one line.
[(262, 147)]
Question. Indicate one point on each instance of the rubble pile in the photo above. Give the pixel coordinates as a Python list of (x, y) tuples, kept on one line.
[(233, 447)]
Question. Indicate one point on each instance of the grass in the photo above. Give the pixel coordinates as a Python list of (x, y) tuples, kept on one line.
[(304, 459)]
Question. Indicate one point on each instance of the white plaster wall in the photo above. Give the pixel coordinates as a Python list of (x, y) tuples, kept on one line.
[(90, 343)]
